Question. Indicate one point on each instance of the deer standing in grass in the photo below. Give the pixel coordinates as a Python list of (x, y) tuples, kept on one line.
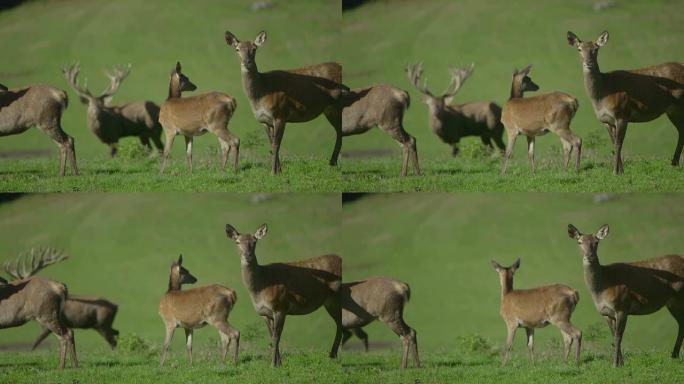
[(537, 308), (195, 116), (294, 288), (195, 308), (634, 288), (29, 297), (289, 96), (378, 298), (637, 95), (40, 106), (451, 122), (113, 122), (538, 115), (382, 106)]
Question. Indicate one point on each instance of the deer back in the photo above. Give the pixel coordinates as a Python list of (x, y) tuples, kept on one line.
[(536, 306), (190, 114), (532, 114), (28, 299), (22, 108), (192, 307)]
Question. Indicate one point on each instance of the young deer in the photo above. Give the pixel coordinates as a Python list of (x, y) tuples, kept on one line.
[(195, 308), (635, 288), (537, 116), (195, 116), (451, 122), (87, 313), (29, 297), (40, 106), (294, 288), (382, 106), (113, 122), (378, 298), (537, 308), (637, 95), (289, 96)]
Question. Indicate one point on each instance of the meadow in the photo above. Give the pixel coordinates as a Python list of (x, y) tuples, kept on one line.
[(121, 246), (374, 43)]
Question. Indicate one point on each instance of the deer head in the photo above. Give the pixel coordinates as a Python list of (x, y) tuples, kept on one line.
[(116, 76), (246, 242), (522, 81), (179, 82), (588, 243), (180, 275), (588, 50), (29, 263), (506, 273), (246, 50), (458, 77)]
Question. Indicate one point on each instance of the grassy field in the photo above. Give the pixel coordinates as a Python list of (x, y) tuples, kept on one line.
[(374, 42), (121, 246)]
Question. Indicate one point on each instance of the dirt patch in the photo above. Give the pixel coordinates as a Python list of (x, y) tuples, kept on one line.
[(25, 153), (368, 153)]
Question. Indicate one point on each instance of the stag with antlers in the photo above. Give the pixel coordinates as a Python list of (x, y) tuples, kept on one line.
[(451, 122), (113, 122)]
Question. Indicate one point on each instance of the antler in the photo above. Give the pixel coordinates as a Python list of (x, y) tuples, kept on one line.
[(71, 75), (116, 76), (29, 263), (414, 71), (458, 77)]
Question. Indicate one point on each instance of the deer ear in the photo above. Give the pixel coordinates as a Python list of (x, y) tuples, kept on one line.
[(526, 71), (231, 232), (602, 39), (573, 232), (178, 67), (497, 267), (260, 39), (261, 232), (516, 264), (180, 259), (231, 39), (602, 232), (573, 39)]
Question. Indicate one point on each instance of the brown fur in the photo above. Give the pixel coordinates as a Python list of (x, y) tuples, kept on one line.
[(378, 298), (40, 106), (537, 308), (638, 95), (382, 106), (294, 288), (635, 288)]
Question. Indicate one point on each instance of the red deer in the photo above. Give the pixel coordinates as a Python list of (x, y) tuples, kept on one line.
[(634, 288), (451, 122), (294, 288), (637, 95), (195, 308), (378, 298), (537, 116), (195, 116)]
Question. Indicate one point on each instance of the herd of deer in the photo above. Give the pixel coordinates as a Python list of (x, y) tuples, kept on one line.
[(302, 94), (301, 287)]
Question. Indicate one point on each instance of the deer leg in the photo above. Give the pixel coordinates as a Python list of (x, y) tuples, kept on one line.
[(65, 144), (530, 151), (402, 330), (334, 117), (678, 313), (168, 144), (269, 132), (45, 333), (145, 141), (278, 324), (269, 325), (678, 121), (188, 151), (486, 140), (156, 139), (509, 343), (346, 335), (228, 335), (408, 147), (72, 348), (414, 348), (361, 334), (620, 131), (454, 149), (278, 131), (497, 136), (188, 343), (334, 309), (228, 142), (112, 149), (509, 150), (530, 343), (170, 328), (620, 323), (571, 334)]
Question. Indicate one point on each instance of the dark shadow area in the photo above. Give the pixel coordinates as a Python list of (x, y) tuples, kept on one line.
[(7, 197), (7, 4), (351, 4), (351, 197)]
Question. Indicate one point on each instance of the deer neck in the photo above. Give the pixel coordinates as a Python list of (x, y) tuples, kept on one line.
[(174, 284), (174, 89), (251, 272), (593, 272), (506, 286), (516, 90), (592, 79), (251, 79)]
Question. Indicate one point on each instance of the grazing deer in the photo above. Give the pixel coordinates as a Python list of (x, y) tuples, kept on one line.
[(382, 106), (537, 308), (294, 288), (195, 116), (378, 298), (537, 116), (40, 106), (635, 288), (451, 122), (289, 96), (195, 308), (637, 95), (29, 297), (113, 122)]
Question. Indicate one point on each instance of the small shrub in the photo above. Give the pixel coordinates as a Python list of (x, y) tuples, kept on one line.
[(132, 150), (596, 332), (474, 150), (255, 331), (253, 139), (133, 343), (474, 343)]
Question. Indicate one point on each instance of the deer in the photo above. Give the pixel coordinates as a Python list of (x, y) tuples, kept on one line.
[(194, 308), (632, 288), (537, 116), (378, 298), (109, 123), (79, 311), (28, 297), (451, 122), (38, 106), (536, 308), (631, 96), (381, 106), (293, 288), (195, 116), (289, 96)]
